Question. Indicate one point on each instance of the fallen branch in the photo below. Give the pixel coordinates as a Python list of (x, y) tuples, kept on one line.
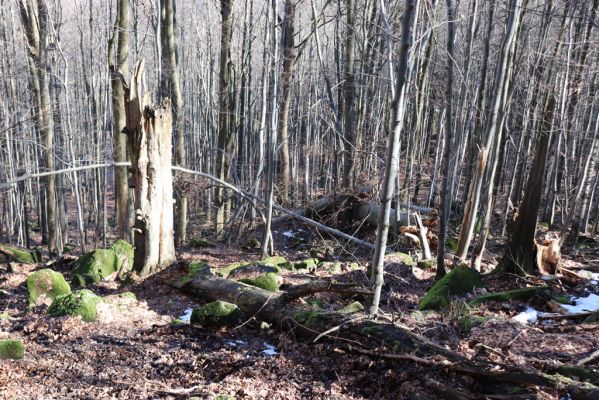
[(321, 286)]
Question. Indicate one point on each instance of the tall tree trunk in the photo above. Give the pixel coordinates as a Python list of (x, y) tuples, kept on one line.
[(171, 86), (391, 163), (118, 68), (224, 135), (348, 102)]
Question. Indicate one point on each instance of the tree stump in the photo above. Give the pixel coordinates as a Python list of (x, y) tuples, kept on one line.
[(149, 130)]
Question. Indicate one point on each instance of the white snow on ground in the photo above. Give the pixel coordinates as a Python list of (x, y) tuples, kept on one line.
[(589, 303), (527, 316), (187, 315), (269, 350), (289, 234), (235, 343)]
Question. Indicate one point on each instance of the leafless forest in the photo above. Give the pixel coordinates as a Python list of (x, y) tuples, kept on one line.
[(350, 199)]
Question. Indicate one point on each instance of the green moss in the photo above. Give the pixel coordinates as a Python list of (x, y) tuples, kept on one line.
[(200, 242), (20, 255), (460, 280), (426, 264), (405, 258), (451, 243), (178, 322), (276, 261), (354, 307), (224, 397), (373, 329), (11, 349), (4, 316), (123, 249), (592, 319), (217, 314), (267, 281), (46, 284), (562, 299), (193, 268), (81, 302), (96, 266), (128, 295), (517, 294), (308, 318), (309, 264), (471, 321), (316, 303), (579, 373), (67, 248)]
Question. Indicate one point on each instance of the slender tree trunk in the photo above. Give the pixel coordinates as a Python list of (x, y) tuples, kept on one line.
[(392, 161)]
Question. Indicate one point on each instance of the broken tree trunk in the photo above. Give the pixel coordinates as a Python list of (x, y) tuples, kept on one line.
[(149, 130)]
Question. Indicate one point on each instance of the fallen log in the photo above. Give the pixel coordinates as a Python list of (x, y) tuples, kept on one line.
[(278, 308)]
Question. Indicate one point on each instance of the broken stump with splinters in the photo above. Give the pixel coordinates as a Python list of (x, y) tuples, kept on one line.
[(150, 137)]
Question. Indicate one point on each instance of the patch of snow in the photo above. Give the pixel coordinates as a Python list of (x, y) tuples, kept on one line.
[(289, 234), (527, 316), (589, 303), (594, 282), (235, 343), (269, 349), (187, 315)]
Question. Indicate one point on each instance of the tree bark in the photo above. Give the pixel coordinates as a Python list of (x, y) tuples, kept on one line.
[(149, 131)]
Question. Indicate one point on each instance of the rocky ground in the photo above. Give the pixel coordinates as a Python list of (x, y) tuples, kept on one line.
[(139, 349)]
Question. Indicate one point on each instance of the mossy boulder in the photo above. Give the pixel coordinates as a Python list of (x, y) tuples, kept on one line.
[(194, 268), (426, 264), (10, 254), (81, 302), (517, 294), (200, 243), (124, 254), (268, 281), (459, 281), (217, 314), (96, 266), (354, 307), (276, 261), (11, 349), (45, 285), (452, 244), (309, 264), (253, 270)]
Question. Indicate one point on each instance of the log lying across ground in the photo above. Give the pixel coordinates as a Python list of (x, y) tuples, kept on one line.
[(356, 331)]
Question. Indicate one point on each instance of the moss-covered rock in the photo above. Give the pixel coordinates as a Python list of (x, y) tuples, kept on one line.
[(460, 280), (128, 295), (11, 349), (309, 318), (580, 373), (517, 294), (468, 322), (200, 243), (81, 302), (14, 254), (356, 306), (252, 270), (95, 267), (309, 264), (217, 314), (45, 285), (268, 281), (276, 261), (426, 264), (124, 253), (194, 268), (4, 316)]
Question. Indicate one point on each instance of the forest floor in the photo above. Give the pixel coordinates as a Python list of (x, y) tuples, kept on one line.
[(135, 351)]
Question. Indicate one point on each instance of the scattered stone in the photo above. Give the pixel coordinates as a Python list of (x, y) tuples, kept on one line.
[(81, 302), (96, 266), (11, 349), (217, 314), (14, 254), (45, 285), (459, 281)]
